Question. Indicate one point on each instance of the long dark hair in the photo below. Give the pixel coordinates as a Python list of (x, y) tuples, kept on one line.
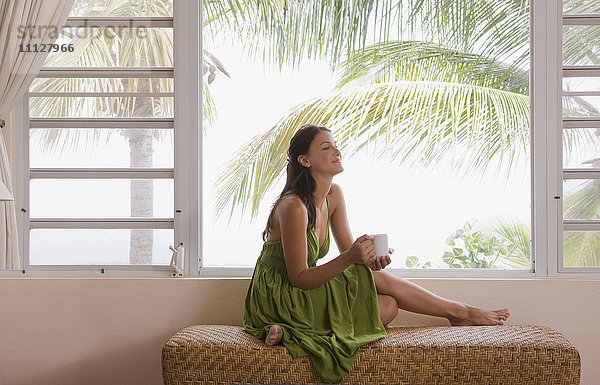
[(298, 180)]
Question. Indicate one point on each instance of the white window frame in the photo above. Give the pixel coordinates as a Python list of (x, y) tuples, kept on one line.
[(566, 123), (186, 173), (546, 155)]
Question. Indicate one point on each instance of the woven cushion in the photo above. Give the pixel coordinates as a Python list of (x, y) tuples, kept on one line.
[(217, 354)]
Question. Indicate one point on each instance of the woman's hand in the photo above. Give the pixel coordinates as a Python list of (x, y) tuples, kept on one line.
[(362, 250), (378, 263)]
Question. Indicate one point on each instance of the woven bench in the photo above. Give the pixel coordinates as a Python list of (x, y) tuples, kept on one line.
[(482, 355)]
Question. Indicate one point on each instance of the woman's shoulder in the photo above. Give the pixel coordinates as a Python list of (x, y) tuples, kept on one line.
[(289, 207), (335, 196), (291, 204), (335, 190)]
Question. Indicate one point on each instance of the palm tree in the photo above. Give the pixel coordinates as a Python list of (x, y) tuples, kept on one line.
[(455, 81), (410, 100)]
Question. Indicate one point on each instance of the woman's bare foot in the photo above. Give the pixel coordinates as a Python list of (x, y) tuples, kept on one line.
[(275, 335), (476, 316)]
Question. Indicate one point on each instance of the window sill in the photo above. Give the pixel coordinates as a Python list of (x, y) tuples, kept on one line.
[(164, 272)]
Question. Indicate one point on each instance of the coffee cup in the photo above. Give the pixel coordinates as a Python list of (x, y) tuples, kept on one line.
[(380, 241)]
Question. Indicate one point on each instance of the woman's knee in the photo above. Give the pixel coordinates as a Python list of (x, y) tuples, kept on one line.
[(386, 282), (388, 308), (382, 282)]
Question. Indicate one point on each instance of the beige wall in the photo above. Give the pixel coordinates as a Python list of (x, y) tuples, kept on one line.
[(110, 331)]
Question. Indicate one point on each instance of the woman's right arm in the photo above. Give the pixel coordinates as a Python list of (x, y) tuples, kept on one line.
[(293, 220)]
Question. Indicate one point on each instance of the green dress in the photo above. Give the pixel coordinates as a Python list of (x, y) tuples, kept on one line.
[(328, 324)]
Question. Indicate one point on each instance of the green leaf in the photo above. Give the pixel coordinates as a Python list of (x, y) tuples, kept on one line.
[(412, 261), (448, 258)]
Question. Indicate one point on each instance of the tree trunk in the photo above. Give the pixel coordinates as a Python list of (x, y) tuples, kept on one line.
[(142, 197), (141, 149)]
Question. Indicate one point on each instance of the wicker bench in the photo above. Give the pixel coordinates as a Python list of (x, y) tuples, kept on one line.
[(217, 354)]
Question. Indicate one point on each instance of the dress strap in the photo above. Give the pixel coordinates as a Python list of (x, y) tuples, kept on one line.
[(327, 201)]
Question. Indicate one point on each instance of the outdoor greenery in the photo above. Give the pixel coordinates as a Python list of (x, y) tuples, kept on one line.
[(412, 262), (499, 244), (471, 248)]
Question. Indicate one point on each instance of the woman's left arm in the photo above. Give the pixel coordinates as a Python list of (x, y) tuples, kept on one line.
[(341, 228)]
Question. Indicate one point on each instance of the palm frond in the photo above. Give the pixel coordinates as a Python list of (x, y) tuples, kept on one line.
[(580, 106), (281, 31), (580, 45), (518, 236), (491, 28), (581, 249), (210, 65), (422, 61), (418, 123), (584, 203), (209, 108), (579, 7), (576, 139)]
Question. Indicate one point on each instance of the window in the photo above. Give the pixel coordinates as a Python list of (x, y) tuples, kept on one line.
[(431, 109), (432, 118), (581, 136), (101, 139)]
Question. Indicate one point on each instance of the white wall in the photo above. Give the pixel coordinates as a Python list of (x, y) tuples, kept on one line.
[(111, 330)]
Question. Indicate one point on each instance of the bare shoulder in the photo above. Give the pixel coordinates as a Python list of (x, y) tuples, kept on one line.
[(289, 208), (335, 190), (335, 196), (292, 207)]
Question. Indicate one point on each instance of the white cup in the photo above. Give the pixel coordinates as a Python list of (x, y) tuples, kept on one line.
[(381, 244)]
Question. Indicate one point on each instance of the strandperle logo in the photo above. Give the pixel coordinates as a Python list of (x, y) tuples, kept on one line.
[(82, 31)]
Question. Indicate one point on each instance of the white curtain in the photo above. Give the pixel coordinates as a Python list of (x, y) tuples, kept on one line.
[(21, 22)]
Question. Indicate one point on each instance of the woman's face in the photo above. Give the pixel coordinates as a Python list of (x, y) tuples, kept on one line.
[(323, 155)]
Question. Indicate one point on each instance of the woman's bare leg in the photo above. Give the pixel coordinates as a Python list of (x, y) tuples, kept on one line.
[(388, 308), (414, 298), (275, 335)]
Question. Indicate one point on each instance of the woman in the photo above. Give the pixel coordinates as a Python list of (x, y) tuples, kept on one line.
[(327, 312)]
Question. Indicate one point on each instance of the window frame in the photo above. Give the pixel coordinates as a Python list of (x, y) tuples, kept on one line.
[(546, 25), (568, 123), (186, 175)]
